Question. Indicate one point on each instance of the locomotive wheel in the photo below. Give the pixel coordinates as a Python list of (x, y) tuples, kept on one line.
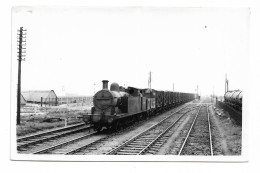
[(114, 127), (146, 115), (138, 117), (110, 128), (141, 117), (97, 128)]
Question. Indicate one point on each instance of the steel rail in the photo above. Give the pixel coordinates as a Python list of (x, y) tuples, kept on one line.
[(133, 138), (48, 132), (210, 136), (45, 150), (165, 131), (91, 143), (183, 144), (83, 147), (52, 137)]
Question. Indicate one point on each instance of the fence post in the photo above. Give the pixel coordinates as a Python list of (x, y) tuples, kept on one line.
[(41, 101), (65, 121)]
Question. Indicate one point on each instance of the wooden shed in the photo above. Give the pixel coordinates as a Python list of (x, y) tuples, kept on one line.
[(41, 97)]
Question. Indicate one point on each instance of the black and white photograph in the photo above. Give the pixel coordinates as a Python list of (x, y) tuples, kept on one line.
[(136, 83)]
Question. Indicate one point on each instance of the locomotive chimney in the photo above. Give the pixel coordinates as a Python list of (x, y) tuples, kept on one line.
[(105, 84)]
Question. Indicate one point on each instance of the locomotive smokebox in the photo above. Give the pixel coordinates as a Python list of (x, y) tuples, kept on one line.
[(105, 84)]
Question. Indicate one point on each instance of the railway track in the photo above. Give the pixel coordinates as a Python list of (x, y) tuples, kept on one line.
[(85, 147), (79, 146), (59, 148), (198, 140), (147, 142), (150, 140), (81, 143), (24, 143)]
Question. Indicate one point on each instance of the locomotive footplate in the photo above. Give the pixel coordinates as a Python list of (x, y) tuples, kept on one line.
[(100, 118)]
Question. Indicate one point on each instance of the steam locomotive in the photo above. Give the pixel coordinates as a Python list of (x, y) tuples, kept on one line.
[(118, 106), (234, 99)]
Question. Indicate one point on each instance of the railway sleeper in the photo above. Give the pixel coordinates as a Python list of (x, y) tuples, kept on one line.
[(151, 152), (129, 151), (157, 145), (58, 152), (143, 138), (134, 146), (140, 143), (133, 149), (91, 148), (22, 148), (147, 136), (22, 143), (153, 149), (167, 136), (122, 153), (34, 139)]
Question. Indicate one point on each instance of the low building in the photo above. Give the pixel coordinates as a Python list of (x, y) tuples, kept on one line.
[(47, 97)]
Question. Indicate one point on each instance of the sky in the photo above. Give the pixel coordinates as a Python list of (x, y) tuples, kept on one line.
[(71, 50)]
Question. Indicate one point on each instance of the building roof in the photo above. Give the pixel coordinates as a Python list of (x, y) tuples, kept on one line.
[(35, 96)]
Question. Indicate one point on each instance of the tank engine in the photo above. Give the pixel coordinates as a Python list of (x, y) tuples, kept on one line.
[(119, 105)]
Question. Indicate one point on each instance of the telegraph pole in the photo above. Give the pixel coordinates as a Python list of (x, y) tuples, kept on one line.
[(197, 91), (150, 81), (213, 95), (226, 84), (94, 88), (21, 39)]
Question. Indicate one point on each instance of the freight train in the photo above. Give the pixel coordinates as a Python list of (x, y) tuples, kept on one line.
[(234, 99), (118, 106)]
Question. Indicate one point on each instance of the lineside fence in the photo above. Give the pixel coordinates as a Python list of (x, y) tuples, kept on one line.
[(44, 102), (81, 100), (86, 100)]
